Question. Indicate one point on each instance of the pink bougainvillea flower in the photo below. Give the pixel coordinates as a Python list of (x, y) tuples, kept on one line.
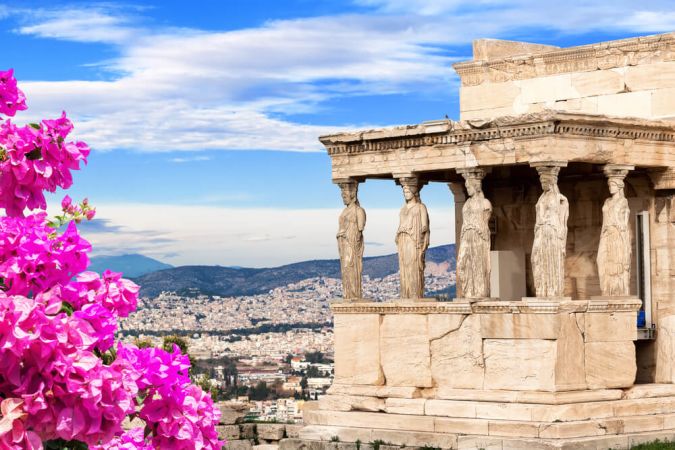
[(12, 98)]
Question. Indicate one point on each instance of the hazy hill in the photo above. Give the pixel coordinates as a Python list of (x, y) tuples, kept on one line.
[(132, 266), (228, 281)]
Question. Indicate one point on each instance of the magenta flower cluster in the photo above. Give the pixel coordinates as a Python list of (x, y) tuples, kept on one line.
[(62, 377), (33, 158)]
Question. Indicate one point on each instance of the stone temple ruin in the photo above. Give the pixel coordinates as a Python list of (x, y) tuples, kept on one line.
[(562, 169)]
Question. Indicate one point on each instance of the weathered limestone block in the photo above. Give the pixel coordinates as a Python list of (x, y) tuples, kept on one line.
[(496, 95), (612, 327), (520, 326), (629, 104), (601, 82), (271, 431), (475, 442), (461, 426), (665, 350), (337, 402), (442, 324), (232, 412), (450, 408), (228, 432), (569, 366), (610, 364), (663, 103), (650, 76), (513, 429), (404, 350), (293, 431), (520, 364), (405, 406), (375, 391), (457, 357), (371, 420), (650, 391), (414, 439), (547, 89), (266, 447), (248, 431), (357, 349), (239, 445)]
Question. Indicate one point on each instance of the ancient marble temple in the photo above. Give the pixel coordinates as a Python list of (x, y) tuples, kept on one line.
[(562, 171)]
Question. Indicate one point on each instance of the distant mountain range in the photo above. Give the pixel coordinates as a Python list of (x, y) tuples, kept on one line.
[(229, 281), (132, 266)]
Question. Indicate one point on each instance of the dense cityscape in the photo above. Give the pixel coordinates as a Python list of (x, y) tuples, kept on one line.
[(271, 351)]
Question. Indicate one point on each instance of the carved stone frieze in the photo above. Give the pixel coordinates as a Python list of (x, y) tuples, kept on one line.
[(469, 131), (606, 55), (530, 305)]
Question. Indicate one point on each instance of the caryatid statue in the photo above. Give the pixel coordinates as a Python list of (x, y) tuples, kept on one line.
[(615, 244), (550, 235), (350, 241), (412, 239), (473, 259)]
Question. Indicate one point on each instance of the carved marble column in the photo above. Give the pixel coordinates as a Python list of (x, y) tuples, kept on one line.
[(473, 259), (550, 234), (412, 239), (614, 251), (350, 240)]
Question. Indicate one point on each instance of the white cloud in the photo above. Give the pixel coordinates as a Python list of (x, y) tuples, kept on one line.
[(186, 89), (181, 159), (90, 25), (212, 235)]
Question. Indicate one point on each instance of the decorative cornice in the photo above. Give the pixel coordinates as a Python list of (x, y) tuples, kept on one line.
[(401, 308), (663, 179), (529, 306), (604, 55), (517, 127)]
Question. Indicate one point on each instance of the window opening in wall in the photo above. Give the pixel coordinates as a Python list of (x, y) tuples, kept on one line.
[(645, 323)]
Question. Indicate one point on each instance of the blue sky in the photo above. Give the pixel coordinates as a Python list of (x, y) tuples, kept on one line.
[(204, 115)]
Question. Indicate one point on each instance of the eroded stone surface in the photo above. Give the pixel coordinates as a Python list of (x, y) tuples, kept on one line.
[(404, 349), (569, 367), (610, 364), (520, 364), (457, 357), (357, 349)]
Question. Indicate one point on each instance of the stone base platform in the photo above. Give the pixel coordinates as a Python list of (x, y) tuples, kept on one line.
[(407, 441), (594, 419)]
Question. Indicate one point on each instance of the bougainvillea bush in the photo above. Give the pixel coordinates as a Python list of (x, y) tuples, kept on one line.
[(65, 383)]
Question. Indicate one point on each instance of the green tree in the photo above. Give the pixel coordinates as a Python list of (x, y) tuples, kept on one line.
[(168, 341), (314, 357), (259, 392), (143, 342), (313, 372)]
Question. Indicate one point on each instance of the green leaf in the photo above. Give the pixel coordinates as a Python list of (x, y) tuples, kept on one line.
[(67, 308), (34, 154), (34, 125)]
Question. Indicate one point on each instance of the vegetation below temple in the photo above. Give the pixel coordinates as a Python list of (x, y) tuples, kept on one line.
[(227, 281)]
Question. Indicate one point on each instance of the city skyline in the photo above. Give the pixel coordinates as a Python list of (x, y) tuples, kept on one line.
[(204, 118)]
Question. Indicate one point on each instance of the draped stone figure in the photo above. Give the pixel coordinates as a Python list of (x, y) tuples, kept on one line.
[(350, 241), (615, 245), (412, 240), (473, 259), (550, 236)]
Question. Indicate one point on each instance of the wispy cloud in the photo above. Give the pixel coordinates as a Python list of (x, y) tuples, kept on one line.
[(189, 159), (94, 24)]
